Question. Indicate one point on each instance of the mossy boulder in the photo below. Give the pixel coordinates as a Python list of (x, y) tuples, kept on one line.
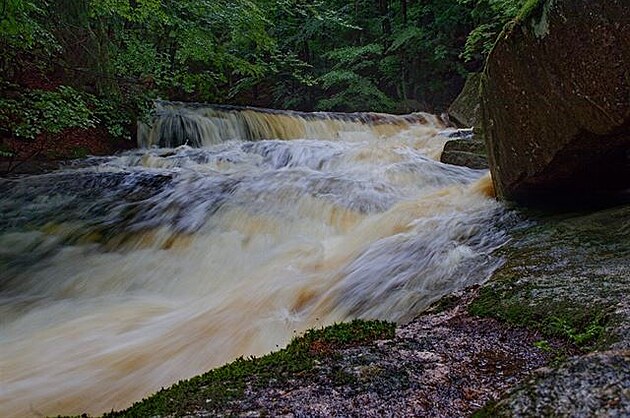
[(556, 101), (465, 110)]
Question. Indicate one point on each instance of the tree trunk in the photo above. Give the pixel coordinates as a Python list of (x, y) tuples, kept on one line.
[(403, 8), (383, 10)]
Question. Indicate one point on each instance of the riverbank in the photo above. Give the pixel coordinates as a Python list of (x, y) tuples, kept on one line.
[(445, 363), (47, 153), (547, 334)]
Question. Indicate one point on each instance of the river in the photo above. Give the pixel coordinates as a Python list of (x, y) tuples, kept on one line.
[(121, 275)]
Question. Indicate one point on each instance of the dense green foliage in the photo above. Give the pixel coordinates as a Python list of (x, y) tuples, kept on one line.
[(100, 63)]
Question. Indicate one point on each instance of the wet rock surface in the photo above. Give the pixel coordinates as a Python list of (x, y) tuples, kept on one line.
[(569, 276), (560, 130), (469, 153), (594, 385), (440, 365), (9, 169), (567, 273)]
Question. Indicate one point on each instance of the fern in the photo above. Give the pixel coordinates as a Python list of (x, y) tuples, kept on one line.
[(492, 16), (352, 54), (338, 77), (408, 37), (480, 41)]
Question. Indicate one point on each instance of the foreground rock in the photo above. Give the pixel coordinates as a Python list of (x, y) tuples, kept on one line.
[(443, 364), (556, 101), (568, 276), (592, 385)]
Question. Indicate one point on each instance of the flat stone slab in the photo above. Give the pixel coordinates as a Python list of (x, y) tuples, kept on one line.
[(469, 153)]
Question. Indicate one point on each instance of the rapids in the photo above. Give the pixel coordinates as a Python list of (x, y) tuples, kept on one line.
[(124, 274)]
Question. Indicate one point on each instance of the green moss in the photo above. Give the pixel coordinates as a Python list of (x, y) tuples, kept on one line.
[(342, 378), (581, 325), (79, 152), (531, 8), (218, 388)]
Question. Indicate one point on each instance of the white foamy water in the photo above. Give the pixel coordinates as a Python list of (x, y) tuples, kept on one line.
[(136, 271)]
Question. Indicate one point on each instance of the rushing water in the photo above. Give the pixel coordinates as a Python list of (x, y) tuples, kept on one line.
[(124, 274)]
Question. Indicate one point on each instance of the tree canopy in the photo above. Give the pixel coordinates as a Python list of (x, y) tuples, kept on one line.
[(85, 63)]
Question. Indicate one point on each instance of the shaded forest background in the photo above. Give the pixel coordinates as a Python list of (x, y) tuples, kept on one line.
[(76, 68)]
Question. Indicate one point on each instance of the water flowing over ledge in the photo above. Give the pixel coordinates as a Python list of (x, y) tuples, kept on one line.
[(127, 273), (198, 124)]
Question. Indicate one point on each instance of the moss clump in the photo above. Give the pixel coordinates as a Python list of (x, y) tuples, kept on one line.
[(445, 303), (529, 9), (219, 388), (581, 325)]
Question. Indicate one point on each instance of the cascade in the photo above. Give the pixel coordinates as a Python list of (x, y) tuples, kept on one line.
[(175, 123), (227, 233)]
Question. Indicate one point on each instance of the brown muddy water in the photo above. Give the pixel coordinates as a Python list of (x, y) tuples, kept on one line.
[(124, 274)]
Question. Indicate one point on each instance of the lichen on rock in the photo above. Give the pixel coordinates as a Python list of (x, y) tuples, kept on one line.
[(594, 385)]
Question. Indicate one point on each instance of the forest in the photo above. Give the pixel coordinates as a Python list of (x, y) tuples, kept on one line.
[(99, 64)]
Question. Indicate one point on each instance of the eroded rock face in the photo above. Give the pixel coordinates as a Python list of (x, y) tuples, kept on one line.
[(556, 102)]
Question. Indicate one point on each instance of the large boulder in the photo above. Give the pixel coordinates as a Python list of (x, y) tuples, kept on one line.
[(465, 110), (556, 101)]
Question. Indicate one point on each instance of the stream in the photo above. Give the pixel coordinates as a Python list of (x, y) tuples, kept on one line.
[(227, 233)]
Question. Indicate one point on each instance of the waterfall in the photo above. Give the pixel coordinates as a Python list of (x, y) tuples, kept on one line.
[(124, 274), (199, 125)]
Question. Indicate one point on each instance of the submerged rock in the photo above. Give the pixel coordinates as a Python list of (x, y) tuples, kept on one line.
[(556, 102)]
